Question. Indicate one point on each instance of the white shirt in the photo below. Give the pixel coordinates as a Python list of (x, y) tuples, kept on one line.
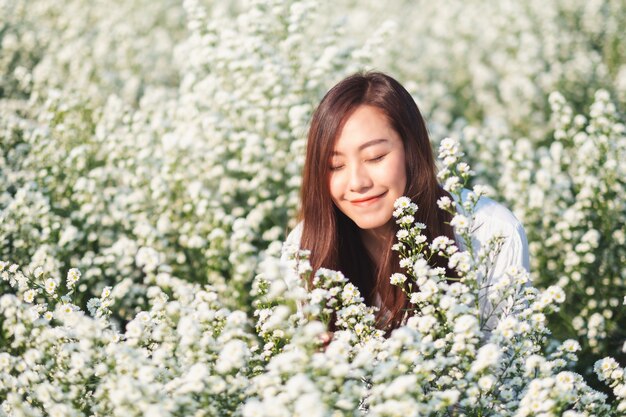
[(490, 218)]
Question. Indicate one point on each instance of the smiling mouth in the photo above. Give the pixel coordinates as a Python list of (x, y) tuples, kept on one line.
[(367, 200)]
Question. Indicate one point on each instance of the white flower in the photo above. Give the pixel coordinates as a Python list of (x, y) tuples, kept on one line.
[(460, 261), (397, 278), (556, 293), (467, 324), (134, 329), (405, 262), (463, 168), (533, 363), (444, 203), (148, 258), (571, 413), (487, 356), (5, 361), (350, 293), (406, 220), (571, 346), (481, 190), (401, 386), (565, 380), (486, 382), (402, 234), (232, 356), (38, 272), (92, 306), (106, 292), (33, 313), (604, 367), (460, 223), (452, 184), (50, 285), (425, 323), (144, 317), (402, 203), (29, 295), (421, 269), (73, 275), (448, 147), (310, 404), (440, 242)]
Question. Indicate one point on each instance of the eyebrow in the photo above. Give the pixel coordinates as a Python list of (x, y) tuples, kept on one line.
[(366, 144)]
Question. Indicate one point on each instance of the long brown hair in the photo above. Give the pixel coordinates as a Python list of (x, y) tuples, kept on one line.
[(332, 237)]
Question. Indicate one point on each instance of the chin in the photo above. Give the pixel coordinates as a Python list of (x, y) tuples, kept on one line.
[(368, 224)]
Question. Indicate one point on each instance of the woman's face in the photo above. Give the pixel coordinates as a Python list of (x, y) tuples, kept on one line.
[(367, 168)]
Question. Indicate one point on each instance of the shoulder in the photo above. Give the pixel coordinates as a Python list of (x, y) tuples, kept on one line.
[(292, 243), (493, 217), (497, 216), (295, 235)]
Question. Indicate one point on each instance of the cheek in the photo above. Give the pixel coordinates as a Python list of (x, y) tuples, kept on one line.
[(397, 177), (402, 179), (334, 185)]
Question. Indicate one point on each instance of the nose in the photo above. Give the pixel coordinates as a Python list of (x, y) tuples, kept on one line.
[(360, 180)]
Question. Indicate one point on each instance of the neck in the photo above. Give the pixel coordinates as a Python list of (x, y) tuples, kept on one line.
[(374, 241)]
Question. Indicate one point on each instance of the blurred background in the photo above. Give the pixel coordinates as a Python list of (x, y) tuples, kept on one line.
[(145, 140)]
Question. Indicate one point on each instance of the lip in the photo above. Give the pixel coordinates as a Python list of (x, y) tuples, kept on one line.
[(367, 200)]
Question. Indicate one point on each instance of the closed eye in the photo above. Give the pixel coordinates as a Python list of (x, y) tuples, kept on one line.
[(336, 168), (378, 158)]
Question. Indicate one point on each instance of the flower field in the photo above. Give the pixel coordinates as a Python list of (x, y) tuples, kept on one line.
[(150, 162)]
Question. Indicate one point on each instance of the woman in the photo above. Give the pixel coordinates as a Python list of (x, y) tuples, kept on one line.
[(367, 146)]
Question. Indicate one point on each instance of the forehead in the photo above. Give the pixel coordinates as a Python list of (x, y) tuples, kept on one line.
[(365, 125)]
